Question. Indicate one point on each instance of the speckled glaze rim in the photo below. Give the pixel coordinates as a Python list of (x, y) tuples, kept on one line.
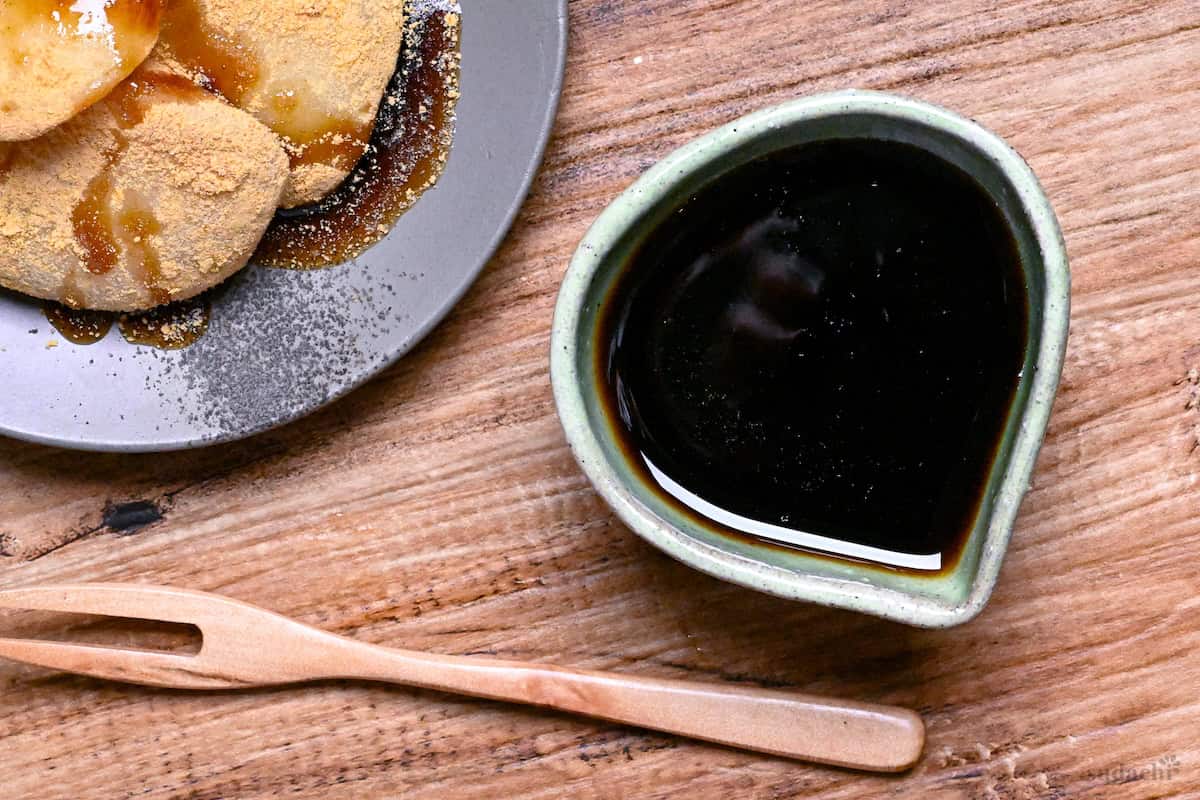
[(704, 158)]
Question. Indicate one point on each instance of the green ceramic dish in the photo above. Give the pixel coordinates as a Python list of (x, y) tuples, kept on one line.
[(943, 599)]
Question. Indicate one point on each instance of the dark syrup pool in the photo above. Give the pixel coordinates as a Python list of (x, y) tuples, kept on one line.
[(820, 350)]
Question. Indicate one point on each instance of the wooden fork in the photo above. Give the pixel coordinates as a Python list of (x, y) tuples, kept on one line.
[(244, 646)]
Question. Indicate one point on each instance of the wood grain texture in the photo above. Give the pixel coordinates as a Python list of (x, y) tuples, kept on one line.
[(248, 647), (438, 508)]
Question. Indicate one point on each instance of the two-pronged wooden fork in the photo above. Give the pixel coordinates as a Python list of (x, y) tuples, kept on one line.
[(244, 646)]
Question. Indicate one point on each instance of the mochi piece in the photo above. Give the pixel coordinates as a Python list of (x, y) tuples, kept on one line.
[(156, 193), (58, 57), (313, 71)]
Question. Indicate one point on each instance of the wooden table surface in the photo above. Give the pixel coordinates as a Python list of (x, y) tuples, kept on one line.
[(438, 507)]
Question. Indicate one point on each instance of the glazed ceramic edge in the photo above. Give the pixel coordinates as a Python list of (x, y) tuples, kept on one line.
[(664, 178)]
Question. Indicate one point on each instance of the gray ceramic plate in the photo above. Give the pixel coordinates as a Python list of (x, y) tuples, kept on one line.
[(281, 344)]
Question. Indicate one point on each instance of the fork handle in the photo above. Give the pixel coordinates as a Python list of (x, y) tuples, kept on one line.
[(840, 732)]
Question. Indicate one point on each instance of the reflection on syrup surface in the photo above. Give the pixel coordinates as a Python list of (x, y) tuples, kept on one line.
[(407, 152)]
